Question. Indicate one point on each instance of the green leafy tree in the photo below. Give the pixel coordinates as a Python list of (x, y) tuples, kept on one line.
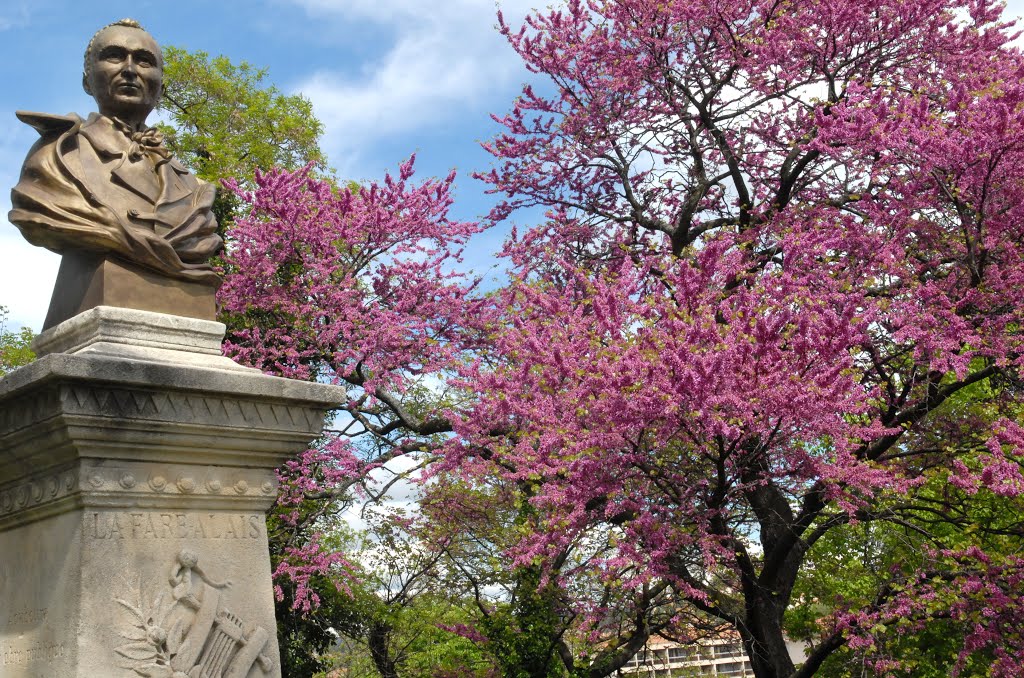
[(15, 347), (392, 613), (227, 121), (523, 616), (851, 565)]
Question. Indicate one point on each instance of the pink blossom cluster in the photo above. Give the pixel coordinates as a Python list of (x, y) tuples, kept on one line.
[(967, 587), (302, 563), (350, 285)]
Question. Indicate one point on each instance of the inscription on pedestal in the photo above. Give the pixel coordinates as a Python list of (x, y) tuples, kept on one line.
[(27, 617), (37, 652), (173, 526)]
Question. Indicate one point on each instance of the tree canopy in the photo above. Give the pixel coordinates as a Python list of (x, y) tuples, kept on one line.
[(15, 347), (227, 121)]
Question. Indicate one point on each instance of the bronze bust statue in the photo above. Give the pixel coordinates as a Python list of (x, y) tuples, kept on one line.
[(106, 187)]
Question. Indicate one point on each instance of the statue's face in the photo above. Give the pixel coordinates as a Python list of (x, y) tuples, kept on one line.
[(125, 75)]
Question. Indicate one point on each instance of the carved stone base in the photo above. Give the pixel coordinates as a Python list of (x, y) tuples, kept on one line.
[(132, 500), (87, 280)]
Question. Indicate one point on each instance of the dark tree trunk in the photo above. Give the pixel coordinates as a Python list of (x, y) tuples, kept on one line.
[(764, 639), (378, 640)]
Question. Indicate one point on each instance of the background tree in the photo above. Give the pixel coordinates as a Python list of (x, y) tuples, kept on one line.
[(226, 120), (848, 566), (15, 347), (536, 620), (412, 602)]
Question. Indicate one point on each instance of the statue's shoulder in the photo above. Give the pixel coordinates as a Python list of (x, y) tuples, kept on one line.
[(48, 124)]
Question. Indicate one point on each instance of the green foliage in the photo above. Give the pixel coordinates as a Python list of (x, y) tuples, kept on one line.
[(15, 348), (429, 649), (523, 634), (226, 121), (848, 566), (306, 639)]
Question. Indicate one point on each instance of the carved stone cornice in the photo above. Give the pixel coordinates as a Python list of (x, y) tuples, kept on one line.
[(92, 484), (133, 403)]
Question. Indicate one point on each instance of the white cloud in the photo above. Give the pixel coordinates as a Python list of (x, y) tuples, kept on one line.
[(26, 272), (450, 12), (406, 90), (446, 61)]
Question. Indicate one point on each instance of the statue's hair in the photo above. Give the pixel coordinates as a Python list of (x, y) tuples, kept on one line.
[(127, 23)]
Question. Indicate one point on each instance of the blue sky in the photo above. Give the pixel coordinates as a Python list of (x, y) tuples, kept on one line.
[(386, 77)]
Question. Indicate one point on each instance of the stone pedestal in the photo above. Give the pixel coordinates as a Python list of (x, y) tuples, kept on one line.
[(136, 465)]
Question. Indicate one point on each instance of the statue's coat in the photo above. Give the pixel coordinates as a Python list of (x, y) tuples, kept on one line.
[(85, 185)]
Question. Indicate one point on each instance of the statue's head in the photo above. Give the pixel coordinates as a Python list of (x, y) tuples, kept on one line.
[(124, 71)]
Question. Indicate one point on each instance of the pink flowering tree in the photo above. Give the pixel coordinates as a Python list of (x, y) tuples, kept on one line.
[(783, 241), (356, 287), (352, 286), (775, 300)]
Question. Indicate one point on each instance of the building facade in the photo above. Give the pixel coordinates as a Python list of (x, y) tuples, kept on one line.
[(711, 657)]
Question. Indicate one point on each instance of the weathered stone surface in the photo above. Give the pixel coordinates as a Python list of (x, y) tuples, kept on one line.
[(140, 335), (132, 491), (101, 590)]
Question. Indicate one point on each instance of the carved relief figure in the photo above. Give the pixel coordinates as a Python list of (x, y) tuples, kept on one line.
[(196, 637), (107, 184)]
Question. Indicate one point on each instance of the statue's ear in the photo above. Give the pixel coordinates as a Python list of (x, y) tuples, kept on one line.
[(85, 84)]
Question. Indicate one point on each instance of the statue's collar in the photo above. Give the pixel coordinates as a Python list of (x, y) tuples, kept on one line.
[(104, 137)]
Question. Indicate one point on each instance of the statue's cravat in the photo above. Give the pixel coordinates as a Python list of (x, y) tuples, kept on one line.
[(149, 140)]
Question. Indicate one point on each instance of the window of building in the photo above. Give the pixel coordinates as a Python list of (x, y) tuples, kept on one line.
[(729, 650), (681, 654), (730, 669)]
